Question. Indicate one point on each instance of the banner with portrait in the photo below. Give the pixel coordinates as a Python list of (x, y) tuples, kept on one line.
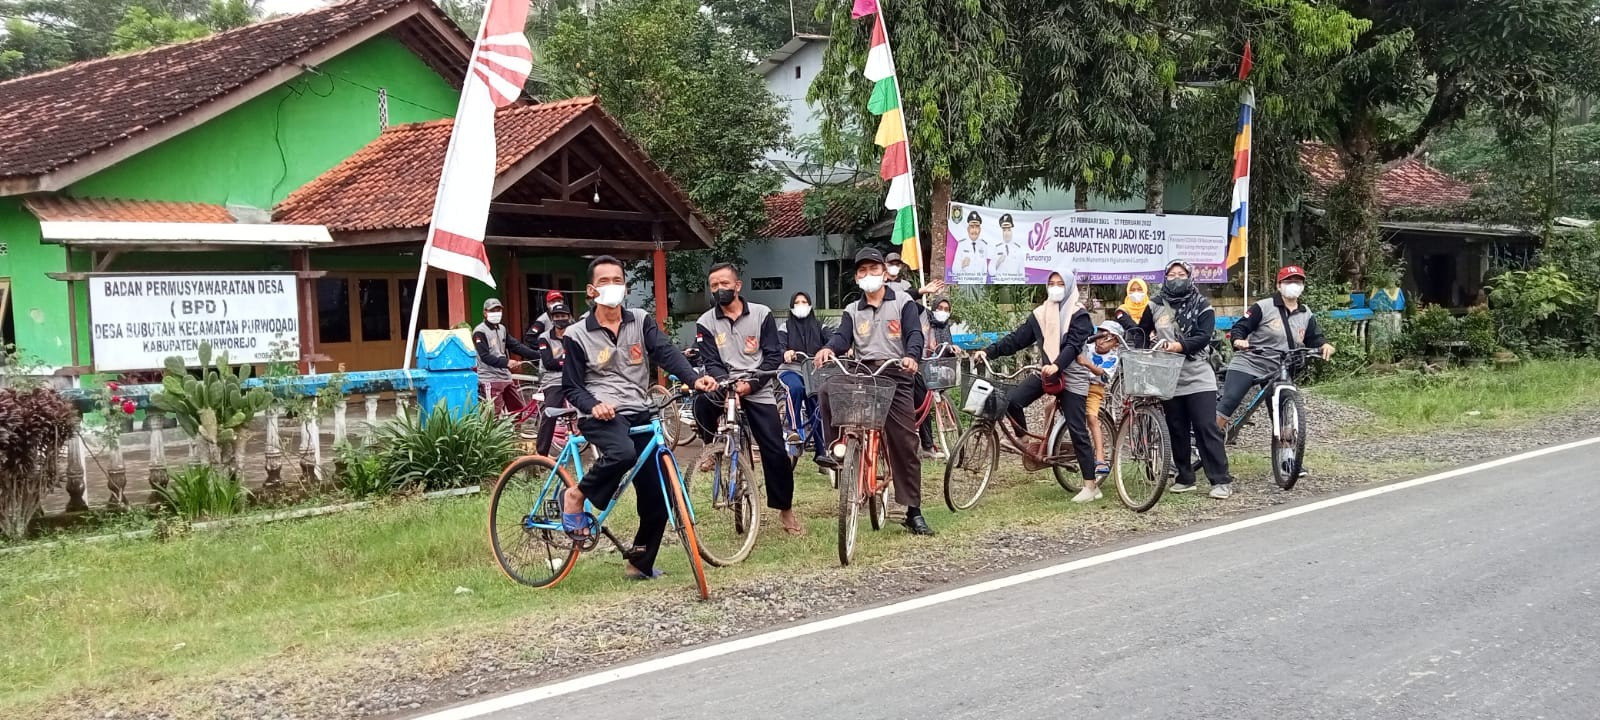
[(993, 246)]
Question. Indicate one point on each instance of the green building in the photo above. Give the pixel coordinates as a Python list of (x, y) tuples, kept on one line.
[(306, 147)]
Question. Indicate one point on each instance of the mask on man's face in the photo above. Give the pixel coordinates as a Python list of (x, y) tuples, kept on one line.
[(562, 323), (611, 295), (894, 271), (870, 283), (492, 317), (725, 296), (1292, 291)]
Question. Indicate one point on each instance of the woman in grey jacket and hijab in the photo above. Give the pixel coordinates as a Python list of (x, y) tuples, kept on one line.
[(1184, 322)]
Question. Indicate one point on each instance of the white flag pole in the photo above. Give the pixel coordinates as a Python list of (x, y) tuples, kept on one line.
[(450, 148), (911, 171)]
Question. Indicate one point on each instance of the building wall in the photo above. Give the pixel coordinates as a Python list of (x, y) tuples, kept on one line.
[(791, 93), (255, 154)]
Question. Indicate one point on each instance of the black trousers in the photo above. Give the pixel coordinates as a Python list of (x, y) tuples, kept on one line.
[(1027, 393), (547, 427), (1234, 388), (618, 453), (766, 428), (1197, 413), (1075, 408), (899, 440)]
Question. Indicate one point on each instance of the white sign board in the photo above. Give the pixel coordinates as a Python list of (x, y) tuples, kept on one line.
[(138, 321), (991, 246)]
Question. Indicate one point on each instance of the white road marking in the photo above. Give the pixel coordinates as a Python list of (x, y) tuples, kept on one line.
[(577, 684)]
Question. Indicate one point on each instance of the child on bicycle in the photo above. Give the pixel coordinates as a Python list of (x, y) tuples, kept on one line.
[(1100, 359)]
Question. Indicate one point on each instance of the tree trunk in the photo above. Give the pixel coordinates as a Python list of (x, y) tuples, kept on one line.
[(1353, 212), (1155, 188), (1080, 196), (935, 224)]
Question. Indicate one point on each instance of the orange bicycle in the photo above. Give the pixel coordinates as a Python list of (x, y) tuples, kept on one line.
[(858, 403)]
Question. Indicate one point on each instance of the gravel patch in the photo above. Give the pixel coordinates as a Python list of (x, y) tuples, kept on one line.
[(403, 679)]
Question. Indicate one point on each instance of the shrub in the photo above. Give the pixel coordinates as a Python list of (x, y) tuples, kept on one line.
[(1429, 327), (34, 425), (361, 472), (202, 491), (446, 451), (1350, 358), (1537, 310), (1478, 330)]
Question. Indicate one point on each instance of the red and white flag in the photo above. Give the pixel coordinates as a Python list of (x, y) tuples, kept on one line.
[(501, 61)]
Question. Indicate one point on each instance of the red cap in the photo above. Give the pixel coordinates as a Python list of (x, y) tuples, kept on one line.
[(552, 296), (1291, 271)]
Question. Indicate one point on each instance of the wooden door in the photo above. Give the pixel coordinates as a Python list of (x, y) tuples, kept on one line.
[(362, 317)]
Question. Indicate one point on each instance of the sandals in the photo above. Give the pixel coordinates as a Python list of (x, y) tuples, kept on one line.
[(578, 526)]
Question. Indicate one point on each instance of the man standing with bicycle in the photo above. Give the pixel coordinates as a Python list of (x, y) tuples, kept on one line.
[(885, 327), (495, 347), (738, 336), (552, 353), (606, 377)]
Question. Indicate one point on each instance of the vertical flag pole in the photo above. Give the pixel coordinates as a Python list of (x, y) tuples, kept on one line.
[(905, 130)]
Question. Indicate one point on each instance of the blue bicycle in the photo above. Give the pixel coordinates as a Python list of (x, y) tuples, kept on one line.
[(801, 429), (525, 529)]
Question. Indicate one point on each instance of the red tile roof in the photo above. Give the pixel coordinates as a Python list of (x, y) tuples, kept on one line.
[(786, 217), (52, 119), (53, 208), (391, 183), (1411, 184)]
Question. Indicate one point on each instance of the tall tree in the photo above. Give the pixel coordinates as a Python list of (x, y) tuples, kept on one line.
[(46, 34), (958, 65), (1517, 59), (680, 88)]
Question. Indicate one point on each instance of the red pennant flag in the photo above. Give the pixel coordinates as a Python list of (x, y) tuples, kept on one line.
[(1246, 63)]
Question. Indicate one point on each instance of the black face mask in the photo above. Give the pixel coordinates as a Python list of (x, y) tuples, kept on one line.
[(1177, 287), (725, 296), (562, 323)]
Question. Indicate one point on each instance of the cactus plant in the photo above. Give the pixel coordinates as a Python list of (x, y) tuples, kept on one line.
[(216, 408)]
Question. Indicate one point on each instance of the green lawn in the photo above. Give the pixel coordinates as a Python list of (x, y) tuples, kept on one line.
[(120, 616), (1413, 403)]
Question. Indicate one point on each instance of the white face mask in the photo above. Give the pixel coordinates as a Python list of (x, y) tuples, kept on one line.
[(870, 283), (611, 295), (493, 318), (1136, 297), (1292, 291), (800, 311), (894, 271), (1056, 293), (941, 315)]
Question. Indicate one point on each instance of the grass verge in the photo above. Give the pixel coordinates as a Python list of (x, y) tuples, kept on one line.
[(1410, 402)]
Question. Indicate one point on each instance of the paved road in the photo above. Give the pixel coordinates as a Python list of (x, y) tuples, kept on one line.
[(1475, 597)]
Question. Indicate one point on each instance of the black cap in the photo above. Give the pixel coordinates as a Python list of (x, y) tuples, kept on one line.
[(1006, 221), (974, 217), (869, 254), (557, 308)]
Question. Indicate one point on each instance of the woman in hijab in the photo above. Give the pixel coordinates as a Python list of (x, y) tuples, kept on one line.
[(1184, 322), (940, 343), (1134, 312), (802, 333), (1059, 328)]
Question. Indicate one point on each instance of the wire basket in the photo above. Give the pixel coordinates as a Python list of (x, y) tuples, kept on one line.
[(859, 400), (1150, 373), (987, 398), (941, 373)]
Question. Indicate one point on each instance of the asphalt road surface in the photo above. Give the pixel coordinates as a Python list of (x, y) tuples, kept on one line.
[(1473, 597)]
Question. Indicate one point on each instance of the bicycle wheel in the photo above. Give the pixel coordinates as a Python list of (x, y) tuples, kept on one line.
[(946, 424), (1289, 447), (970, 467), (878, 501), (849, 502), (685, 523), (1139, 458), (1063, 459), (728, 522), (525, 497)]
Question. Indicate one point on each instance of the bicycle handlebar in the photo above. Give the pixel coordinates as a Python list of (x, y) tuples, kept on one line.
[(1000, 373)]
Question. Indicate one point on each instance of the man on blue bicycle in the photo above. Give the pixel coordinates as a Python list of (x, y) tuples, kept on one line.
[(606, 377), (737, 336)]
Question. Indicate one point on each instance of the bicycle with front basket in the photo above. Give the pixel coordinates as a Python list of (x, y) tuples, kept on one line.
[(526, 534), (1141, 452), (972, 465), (858, 403)]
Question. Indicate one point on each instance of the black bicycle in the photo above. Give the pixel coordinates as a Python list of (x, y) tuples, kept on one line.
[(1287, 409)]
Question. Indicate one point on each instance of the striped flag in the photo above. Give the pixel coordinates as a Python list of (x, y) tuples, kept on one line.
[(501, 61), (891, 136), (1239, 219)]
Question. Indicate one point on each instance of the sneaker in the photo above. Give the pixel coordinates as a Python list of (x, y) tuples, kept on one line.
[(925, 453), (1222, 492), (1088, 494), (939, 454), (1181, 487)]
